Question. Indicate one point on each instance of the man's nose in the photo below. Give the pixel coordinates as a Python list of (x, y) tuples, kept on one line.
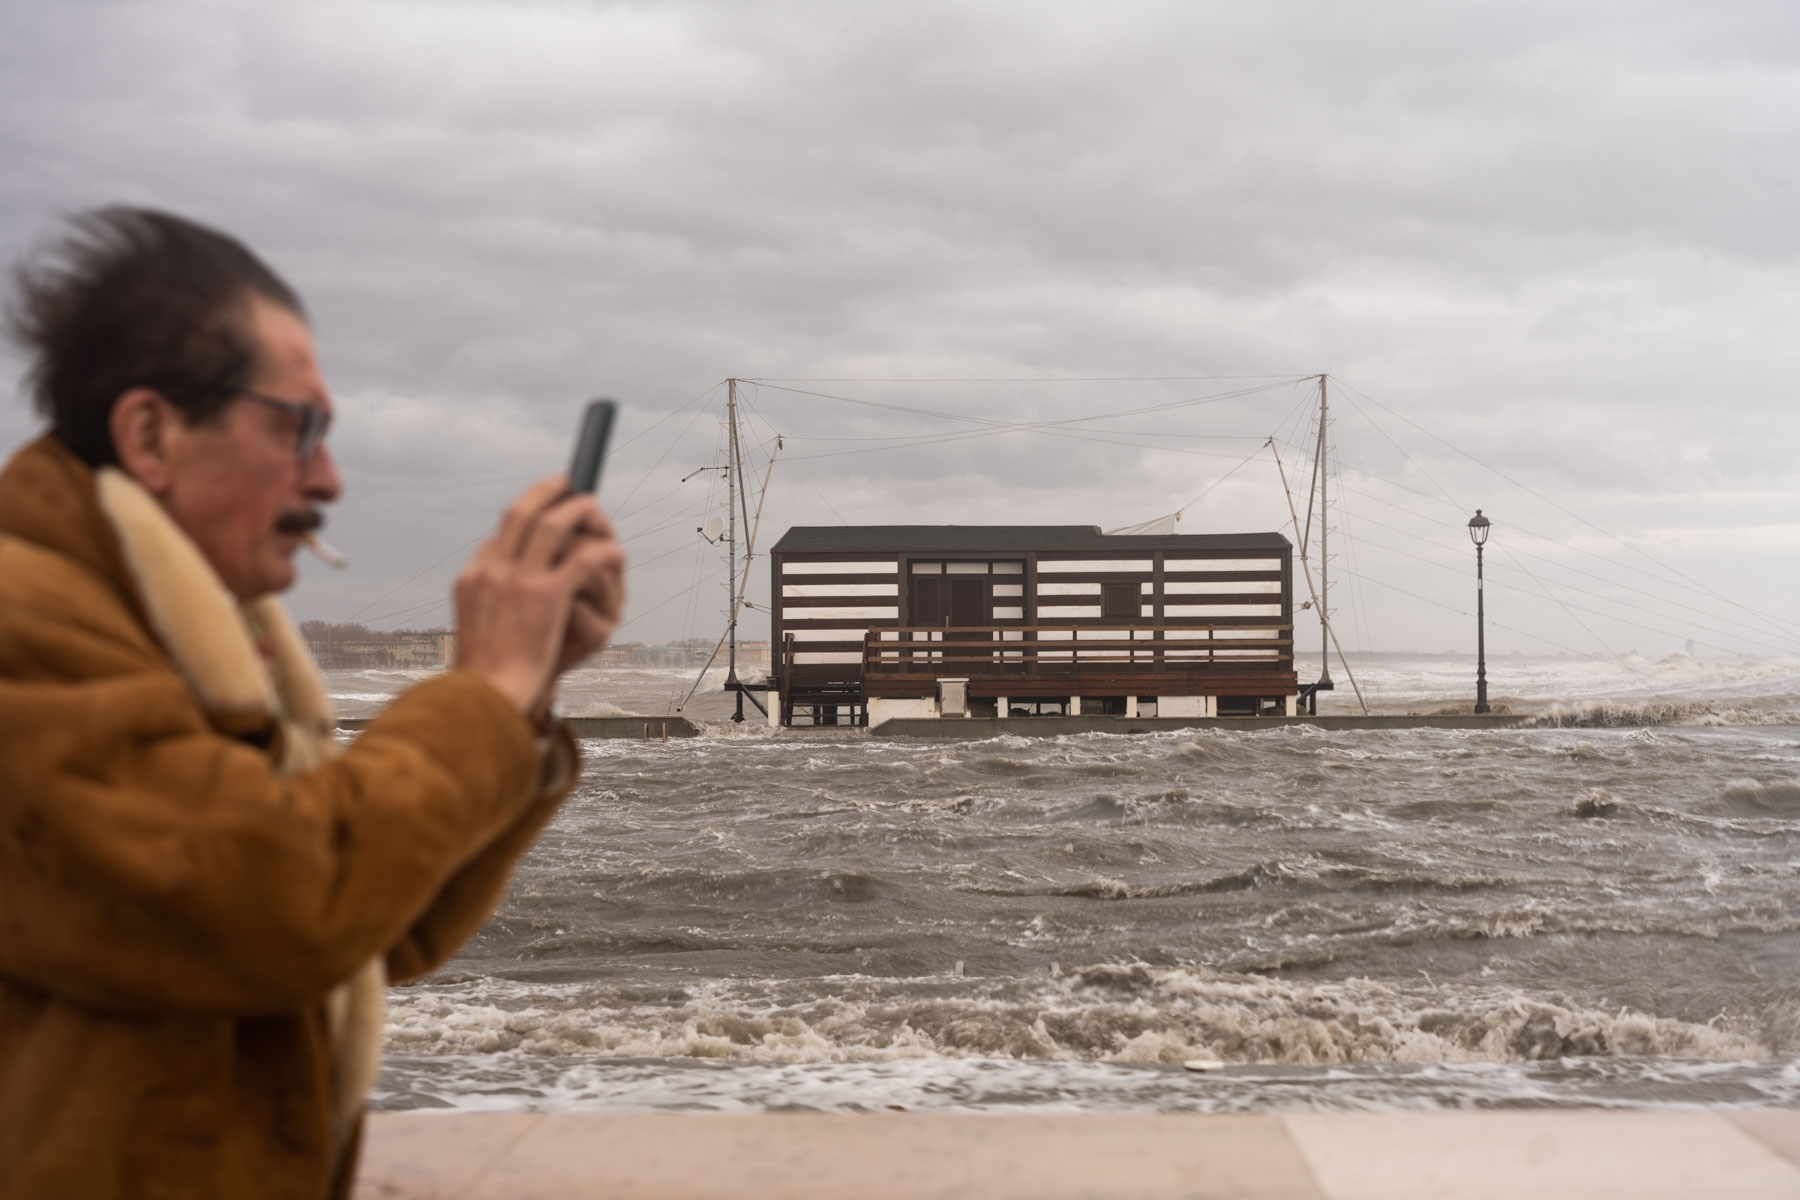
[(320, 480)]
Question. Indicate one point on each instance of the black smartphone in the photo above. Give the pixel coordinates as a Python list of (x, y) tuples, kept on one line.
[(590, 445)]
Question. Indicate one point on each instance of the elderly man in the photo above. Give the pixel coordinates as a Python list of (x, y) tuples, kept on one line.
[(202, 896)]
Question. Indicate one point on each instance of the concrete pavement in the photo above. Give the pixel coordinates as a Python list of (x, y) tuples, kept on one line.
[(1548, 1154)]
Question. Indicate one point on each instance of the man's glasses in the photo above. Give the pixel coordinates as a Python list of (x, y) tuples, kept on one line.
[(312, 420)]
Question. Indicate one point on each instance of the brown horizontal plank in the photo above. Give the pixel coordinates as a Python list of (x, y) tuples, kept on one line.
[(1144, 646), (1119, 686), (797, 561), (1273, 575), (841, 600), (1064, 672), (1121, 626), (1218, 598), (835, 623)]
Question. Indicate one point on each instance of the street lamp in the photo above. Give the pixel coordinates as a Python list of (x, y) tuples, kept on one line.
[(1478, 533)]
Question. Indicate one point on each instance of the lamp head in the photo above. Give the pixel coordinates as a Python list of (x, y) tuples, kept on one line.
[(1478, 528)]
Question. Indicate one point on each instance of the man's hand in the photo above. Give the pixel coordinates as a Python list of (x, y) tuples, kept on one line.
[(600, 600), (539, 596)]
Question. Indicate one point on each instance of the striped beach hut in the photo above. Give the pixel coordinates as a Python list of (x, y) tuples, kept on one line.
[(878, 621)]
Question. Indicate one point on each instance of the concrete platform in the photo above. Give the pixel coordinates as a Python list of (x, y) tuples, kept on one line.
[(1506, 1155), (981, 728), (647, 729)]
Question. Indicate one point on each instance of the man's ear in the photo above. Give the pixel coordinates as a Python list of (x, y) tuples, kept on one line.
[(143, 434)]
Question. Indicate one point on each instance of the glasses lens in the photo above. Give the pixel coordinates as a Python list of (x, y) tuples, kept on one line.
[(312, 431)]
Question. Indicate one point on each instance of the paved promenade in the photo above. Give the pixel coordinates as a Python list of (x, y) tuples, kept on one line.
[(1507, 1155)]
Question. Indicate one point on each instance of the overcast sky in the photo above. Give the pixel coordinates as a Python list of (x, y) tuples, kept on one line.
[(1547, 251)]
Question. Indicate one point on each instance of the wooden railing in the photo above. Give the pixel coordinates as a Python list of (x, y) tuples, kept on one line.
[(1008, 649)]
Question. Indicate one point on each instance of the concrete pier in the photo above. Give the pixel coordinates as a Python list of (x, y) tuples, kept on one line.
[(979, 728), (647, 729), (1499, 1155)]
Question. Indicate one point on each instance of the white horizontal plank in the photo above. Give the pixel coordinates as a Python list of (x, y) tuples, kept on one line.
[(1217, 587), (1174, 563), (860, 567), (813, 591), (1094, 564), (1068, 589)]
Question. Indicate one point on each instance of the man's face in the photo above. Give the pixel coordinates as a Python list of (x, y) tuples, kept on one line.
[(233, 480)]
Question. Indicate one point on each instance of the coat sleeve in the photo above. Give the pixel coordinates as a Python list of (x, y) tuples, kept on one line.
[(150, 863), (463, 904)]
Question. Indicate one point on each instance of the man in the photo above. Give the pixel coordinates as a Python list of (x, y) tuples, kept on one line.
[(200, 892)]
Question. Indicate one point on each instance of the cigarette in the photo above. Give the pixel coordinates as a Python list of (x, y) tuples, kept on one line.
[(326, 551)]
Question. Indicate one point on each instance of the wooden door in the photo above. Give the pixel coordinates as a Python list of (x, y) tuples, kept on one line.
[(928, 603), (969, 599)]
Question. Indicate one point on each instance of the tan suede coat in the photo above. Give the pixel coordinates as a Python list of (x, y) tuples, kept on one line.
[(198, 889)]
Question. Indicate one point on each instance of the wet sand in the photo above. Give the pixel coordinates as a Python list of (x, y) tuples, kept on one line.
[(1747, 1155)]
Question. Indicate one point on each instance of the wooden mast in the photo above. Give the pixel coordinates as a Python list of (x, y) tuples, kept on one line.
[(1324, 473), (732, 464)]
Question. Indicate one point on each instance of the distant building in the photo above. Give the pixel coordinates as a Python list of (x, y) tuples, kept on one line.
[(405, 650)]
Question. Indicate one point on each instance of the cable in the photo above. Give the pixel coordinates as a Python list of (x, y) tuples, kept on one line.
[(434, 566), (1695, 584)]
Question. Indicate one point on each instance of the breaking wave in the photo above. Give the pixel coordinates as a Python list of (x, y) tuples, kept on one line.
[(1104, 1013)]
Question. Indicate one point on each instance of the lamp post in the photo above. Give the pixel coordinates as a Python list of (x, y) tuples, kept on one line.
[(1478, 533)]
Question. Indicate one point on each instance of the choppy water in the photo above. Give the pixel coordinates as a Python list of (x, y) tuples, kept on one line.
[(1598, 914)]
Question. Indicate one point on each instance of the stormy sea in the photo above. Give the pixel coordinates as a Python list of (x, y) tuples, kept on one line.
[(1600, 909)]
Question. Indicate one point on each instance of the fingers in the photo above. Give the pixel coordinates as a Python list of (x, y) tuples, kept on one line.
[(522, 516), (589, 630), (595, 572), (577, 516)]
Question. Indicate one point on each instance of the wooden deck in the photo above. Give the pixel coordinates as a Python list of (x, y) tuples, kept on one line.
[(1031, 662)]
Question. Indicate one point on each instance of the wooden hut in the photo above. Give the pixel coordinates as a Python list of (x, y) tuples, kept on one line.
[(878, 621)]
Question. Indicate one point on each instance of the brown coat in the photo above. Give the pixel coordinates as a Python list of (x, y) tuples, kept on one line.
[(193, 881)]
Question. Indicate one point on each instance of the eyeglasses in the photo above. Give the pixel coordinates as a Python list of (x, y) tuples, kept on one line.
[(312, 420)]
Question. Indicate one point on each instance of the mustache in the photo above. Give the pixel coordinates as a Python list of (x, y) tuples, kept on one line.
[(300, 521)]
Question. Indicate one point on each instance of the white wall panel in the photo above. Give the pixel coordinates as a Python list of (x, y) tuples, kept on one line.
[(1216, 587), (1174, 563), (872, 613), (1096, 564), (1068, 589), (810, 591), (1056, 612), (1222, 610), (878, 567), (1008, 613)]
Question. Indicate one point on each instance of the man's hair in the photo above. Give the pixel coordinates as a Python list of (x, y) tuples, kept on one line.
[(130, 297)]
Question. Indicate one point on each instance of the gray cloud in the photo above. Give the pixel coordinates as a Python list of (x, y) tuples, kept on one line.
[(1559, 239)]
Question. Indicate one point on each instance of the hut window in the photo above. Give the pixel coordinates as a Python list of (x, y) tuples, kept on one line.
[(1120, 602)]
